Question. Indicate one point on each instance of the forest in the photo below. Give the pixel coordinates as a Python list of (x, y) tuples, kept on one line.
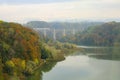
[(86, 33), (106, 34), (62, 29), (22, 50)]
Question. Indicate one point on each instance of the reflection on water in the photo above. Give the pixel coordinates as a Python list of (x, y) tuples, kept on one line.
[(97, 64), (84, 68), (109, 53), (39, 73)]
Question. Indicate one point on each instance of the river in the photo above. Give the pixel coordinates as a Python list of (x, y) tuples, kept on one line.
[(80, 66)]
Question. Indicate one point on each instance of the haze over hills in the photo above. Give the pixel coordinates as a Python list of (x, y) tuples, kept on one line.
[(61, 28), (61, 25), (85, 33)]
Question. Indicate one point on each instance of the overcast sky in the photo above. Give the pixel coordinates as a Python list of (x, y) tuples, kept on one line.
[(51, 10)]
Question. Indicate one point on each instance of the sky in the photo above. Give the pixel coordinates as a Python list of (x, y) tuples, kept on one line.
[(58, 10)]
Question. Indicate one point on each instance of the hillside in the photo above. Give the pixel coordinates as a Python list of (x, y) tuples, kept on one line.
[(22, 50), (61, 28), (61, 25), (37, 24), (107, 34)]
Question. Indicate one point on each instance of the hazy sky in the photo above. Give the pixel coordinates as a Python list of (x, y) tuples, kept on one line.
[(51, 10)]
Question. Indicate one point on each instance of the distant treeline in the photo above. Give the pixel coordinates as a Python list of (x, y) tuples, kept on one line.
[(92, 34), (62, 28), (106, 34)]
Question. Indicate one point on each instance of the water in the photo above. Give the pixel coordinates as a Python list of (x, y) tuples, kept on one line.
[(82, 67), (90, 64), (90, 47)]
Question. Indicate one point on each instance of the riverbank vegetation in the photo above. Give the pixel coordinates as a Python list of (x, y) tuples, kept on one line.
[(22, 50)]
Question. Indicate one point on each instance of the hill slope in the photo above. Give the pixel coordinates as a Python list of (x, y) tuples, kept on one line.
[(107, 34)]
